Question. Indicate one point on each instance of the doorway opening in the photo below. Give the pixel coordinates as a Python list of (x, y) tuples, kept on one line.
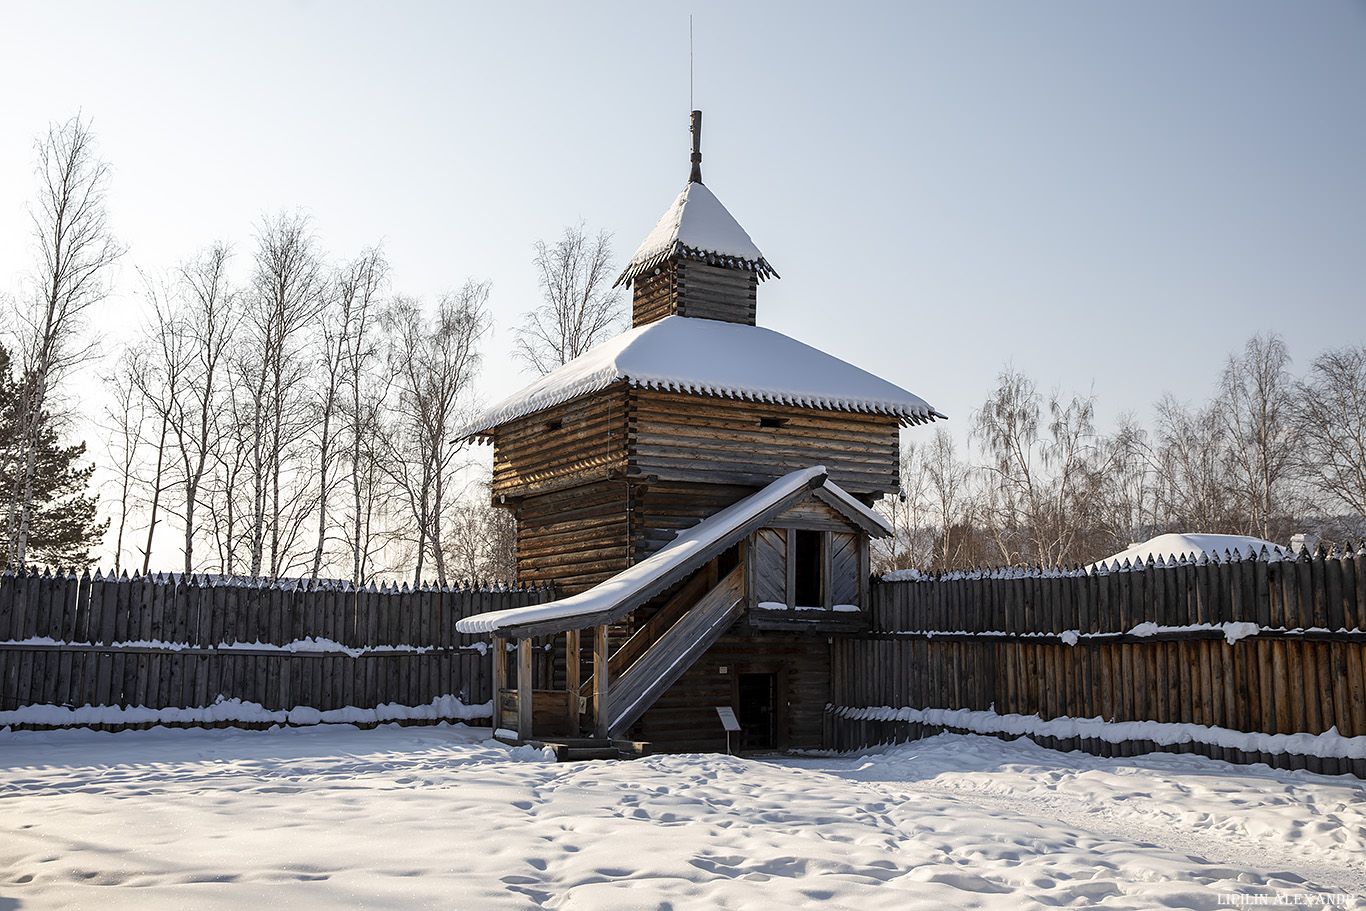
[(758, 711)]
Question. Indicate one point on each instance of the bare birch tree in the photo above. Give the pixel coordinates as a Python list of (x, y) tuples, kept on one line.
[(950, 494), (1191, 465), (75, 252), (350, 390), (1041, 486), (287, 292), (481, 545), (207, 320), (1007, 429), (1126, 510), (1255, 404), (157, 368), (911, 543), (433, 364), (1331, 428), (579, 308), (126, 419)]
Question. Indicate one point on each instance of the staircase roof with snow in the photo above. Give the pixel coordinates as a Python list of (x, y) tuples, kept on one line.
[(613, 599), (711, 357), (697, 227)]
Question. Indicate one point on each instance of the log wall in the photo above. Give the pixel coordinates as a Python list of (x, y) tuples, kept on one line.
[(170, 650), (682, 437), (1210, 651), (695, 289), (685, 720), (575, 537), (573, 443)]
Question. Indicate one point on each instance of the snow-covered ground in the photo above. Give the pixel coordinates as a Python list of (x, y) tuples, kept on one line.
[(440, 817)]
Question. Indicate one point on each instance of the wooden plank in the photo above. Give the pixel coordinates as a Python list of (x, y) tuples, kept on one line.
[(573, 667), (367, 619), (524, 681), (104, 669), (140, 629), (601, 683), (1354, 719), (500, 681)]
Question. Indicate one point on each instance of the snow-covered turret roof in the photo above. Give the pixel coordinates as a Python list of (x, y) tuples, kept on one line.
[(697, 227), (711, 357), (613, 599)]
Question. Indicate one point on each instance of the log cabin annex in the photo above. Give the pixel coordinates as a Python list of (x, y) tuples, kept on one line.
[(699, 489)]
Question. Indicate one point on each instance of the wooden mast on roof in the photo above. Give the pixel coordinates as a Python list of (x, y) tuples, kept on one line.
[(696, 175), (686, 281)]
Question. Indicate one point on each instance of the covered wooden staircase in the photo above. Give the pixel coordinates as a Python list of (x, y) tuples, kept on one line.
[(661, 651), (591, 719)]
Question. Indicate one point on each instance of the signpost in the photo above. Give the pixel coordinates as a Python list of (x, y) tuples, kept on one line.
[(729, 722)]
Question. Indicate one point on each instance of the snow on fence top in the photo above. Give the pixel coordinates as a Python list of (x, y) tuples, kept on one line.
[(300, 584), (697, 226), (711, 357), (1271, 553)]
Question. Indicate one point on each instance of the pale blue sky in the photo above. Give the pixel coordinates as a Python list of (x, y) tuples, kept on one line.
[(1109, 195)]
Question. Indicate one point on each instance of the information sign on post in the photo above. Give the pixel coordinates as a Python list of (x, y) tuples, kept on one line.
[(729, 722)]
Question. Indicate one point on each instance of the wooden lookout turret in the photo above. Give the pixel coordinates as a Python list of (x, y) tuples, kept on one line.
[(700, 489)]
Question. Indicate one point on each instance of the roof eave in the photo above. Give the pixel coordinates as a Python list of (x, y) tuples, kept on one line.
[(760, 267)]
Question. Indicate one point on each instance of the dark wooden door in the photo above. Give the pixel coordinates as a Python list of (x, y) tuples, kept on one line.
[(758, 711)]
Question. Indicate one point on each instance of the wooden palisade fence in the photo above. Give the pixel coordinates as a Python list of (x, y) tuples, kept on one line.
[(118, 652), (1229, 657)]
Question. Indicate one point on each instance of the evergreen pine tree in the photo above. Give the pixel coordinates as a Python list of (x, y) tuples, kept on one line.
[(64, 529)]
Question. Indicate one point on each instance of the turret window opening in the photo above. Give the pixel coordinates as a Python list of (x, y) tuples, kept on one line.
[(808, 576)]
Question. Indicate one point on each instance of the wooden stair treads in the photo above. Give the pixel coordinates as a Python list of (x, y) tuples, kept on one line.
[(674, 651)]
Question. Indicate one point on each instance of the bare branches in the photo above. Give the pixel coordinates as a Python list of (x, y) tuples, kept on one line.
[(75, 250), (1331, 428), (433, 364), (1255, 405), (580, 306)]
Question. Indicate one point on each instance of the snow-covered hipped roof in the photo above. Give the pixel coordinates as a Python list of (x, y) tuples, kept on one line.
[(697, 226), (1192, 546), (711, 357), (611, 600)]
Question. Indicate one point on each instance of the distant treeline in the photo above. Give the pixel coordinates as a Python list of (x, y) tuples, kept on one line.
[(1270, 454)]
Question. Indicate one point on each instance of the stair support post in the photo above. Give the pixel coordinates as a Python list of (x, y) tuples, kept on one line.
[(600, 701), (500, 679), (571, 676), (524, 673)]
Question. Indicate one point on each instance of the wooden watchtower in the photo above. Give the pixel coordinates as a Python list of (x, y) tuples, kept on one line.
[(699, 487)]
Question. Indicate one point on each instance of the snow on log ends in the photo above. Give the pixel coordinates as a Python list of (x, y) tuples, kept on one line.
[(1328, 744)]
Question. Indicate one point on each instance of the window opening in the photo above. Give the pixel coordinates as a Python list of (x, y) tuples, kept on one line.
[(809, 592)]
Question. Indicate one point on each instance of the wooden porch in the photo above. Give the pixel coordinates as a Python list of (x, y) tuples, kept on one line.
[(597, 713)]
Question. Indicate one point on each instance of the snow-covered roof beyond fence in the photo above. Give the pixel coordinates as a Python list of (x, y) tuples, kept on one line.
[(711, 357), (1191, 546), (610, 600), (697, 226)]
